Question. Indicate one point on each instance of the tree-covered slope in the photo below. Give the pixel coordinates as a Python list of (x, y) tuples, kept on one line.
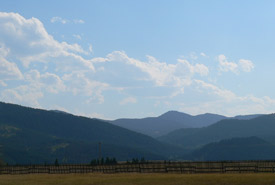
[(251, 148), (167, 122), (173, 120), (262, 127), (36, 135)]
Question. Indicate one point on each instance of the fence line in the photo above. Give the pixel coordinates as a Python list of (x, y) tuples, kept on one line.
[(150, 167)]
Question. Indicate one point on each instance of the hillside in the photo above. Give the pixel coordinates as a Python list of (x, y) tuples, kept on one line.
[(34, 135), (167, 122), (251, 148), (262, 127), (173, 120)]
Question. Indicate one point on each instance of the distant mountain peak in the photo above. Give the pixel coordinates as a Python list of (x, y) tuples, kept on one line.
[(167, 122), (173, 113)]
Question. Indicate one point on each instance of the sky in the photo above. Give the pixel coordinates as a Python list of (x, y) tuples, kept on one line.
[(114, 59)]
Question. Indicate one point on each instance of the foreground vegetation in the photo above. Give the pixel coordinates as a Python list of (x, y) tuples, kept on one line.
[(139, 179)]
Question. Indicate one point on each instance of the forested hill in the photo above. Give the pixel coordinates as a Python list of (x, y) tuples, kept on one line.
[(251, 148), (34, 135), (173, 120), (167, 122), (262, 126)]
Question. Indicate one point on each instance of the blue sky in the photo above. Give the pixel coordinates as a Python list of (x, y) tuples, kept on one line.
[(112, 59)]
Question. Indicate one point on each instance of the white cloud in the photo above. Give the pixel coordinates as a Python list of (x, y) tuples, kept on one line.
[(161, 73), (90, 48), (58, 20), (43, 65), (225, 102), (49, 81), (2, 83), (27, 95), (192, 69), (28, 42), (9, 70), (193, 56), (4, 51), (78, 83), (128, 100), (78, 21), (203, 54), (226, 66), (33, 90), (65, 21), (77, 36), (243, 65), (212, 89), (246, 65)]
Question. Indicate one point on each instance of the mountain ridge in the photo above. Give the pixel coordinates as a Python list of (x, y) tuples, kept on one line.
[(171, 121), (249, 148), (261, 126), (24, 129)]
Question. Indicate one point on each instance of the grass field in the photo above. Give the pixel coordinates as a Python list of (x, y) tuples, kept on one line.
[(139, 179)]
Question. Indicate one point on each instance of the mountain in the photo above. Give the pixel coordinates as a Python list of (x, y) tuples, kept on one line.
[(251, 148), (30, 135), (167, 122), (173, 120), (262, 126)]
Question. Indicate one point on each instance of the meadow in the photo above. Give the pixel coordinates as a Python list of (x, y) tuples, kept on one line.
[(139, 179)]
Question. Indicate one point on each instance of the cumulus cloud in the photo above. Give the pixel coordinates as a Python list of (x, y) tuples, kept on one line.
[(2, 83), (24, 94), (49, 81), (28, 41), (246, 65), (4, 51), (79, 84), (225, 65), (163, 74), (65, 21), (28, 44), (58, 20), (212, 89), (192, 69), (193, 56), (78, 21), (203, 54), (243, 65), (128, 100), (226, 102), (33, 90), (8, 70), (43, 65), (90, 48), (77, 36)]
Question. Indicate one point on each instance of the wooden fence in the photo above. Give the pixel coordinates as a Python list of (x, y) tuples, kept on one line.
[(150, 167)]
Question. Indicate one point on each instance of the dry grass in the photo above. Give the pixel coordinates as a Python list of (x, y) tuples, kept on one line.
[(139, 179)]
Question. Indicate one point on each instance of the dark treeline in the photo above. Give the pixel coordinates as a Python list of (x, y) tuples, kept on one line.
[(111, 161), (104, 161), (137, 161)]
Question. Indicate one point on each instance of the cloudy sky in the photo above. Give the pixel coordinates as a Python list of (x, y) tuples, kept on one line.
[(110, 59)]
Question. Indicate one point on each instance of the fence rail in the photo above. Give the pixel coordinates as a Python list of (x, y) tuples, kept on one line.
[(150, 167)]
